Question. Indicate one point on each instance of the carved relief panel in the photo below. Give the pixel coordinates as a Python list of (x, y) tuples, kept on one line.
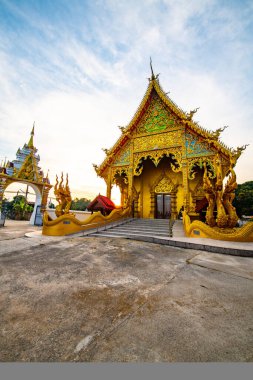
[(160, 141), (165, 186)]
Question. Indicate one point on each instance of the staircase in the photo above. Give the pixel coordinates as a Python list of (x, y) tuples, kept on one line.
[(143, 229)]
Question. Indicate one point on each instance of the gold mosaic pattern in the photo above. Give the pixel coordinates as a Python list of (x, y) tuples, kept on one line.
[(165, 186), (160, 141)]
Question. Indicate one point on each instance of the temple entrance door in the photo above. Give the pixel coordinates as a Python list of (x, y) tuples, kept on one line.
[(163, 206)]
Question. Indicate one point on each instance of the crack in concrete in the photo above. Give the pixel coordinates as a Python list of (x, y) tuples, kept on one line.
[(219, 270)]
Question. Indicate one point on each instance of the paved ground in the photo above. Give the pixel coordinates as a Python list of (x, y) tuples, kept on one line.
[(102, 299)]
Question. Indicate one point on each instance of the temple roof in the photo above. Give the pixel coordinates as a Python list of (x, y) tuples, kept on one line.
[(101, 202), (186, 119)]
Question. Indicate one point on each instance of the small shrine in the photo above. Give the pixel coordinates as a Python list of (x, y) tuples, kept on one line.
[(102, 204), (25, 169)]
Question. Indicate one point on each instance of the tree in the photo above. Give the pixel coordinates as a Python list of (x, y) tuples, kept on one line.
[(80, 204), (243, 201), (21, 206), (18, 208)]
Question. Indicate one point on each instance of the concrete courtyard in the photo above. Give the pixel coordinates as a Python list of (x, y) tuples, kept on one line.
[(82, 299)]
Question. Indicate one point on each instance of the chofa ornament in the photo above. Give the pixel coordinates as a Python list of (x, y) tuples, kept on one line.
[(63, 196), (219, 197)]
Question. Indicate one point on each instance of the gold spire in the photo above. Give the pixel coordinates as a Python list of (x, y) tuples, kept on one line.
[(152, 72), (153, 76), (30, 144)]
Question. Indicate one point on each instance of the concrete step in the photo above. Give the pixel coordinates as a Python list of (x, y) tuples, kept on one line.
[(148, 225), (139, 229), (114, 231), (128, 236), (104, 234), (142, 228), (153, 221)]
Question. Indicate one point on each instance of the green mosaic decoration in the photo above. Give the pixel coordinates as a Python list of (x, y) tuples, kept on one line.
[(157, 118), (195, 147), (124, 157)]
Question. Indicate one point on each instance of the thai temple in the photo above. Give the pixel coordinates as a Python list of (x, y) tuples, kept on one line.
[(25, 169), (167, 166), (164, 162)]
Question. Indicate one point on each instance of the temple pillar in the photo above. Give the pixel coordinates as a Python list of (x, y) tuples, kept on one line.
[(130, 190), (136, 208), (173, 205), (152, 204), (45, 192), (186, 185), (109, 185)]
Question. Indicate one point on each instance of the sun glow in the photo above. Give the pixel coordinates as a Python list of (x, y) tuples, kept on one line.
[(116, 196)]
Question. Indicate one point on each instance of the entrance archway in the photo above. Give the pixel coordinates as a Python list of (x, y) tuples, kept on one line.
[(157, 189), (40, 195), (25, 169)]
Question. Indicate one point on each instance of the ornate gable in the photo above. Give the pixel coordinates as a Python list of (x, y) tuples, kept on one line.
[(159, 124), (156, 118), (29, 170)]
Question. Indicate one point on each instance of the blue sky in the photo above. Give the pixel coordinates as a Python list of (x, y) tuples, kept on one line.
[(79, 69)]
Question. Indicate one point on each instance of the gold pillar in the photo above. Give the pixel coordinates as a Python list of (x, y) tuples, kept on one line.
[(136, 207), (185, 174), (130, 189), (185, 185), (152, 204), (44, 195), (109, 184), (173, 205), (130, 179)]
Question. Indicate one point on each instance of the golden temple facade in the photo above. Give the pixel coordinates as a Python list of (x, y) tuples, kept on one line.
[(163, 161)]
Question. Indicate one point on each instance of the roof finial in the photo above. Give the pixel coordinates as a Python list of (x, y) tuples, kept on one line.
[(153, 76), (30, 144), (152, 72)]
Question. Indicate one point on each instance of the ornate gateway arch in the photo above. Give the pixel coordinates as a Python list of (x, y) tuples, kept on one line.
[(25, 169)]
